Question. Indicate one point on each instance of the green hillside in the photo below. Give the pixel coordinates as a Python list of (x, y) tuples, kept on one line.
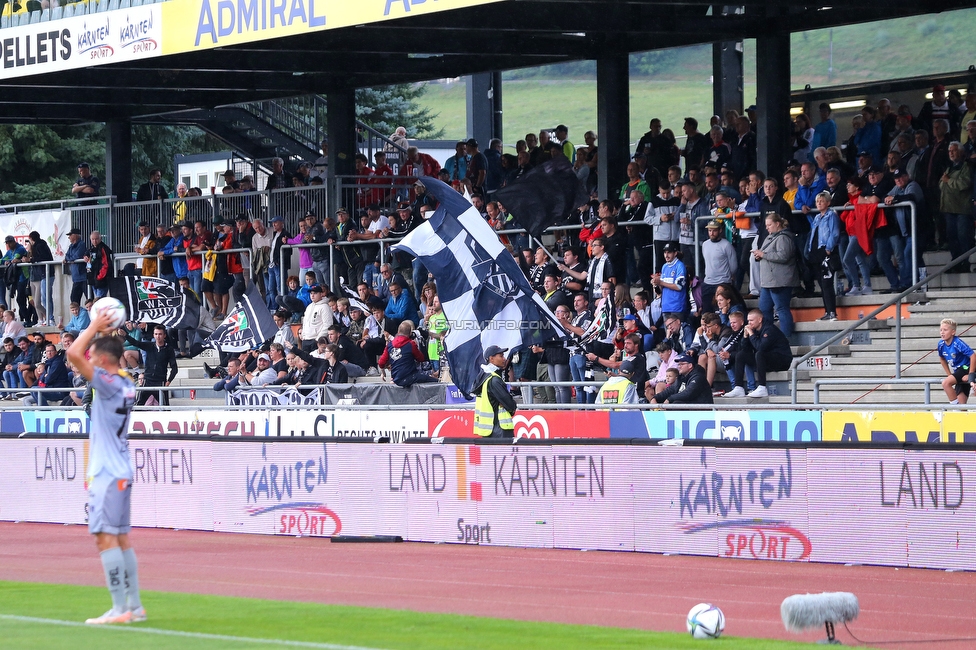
[(675, 83)]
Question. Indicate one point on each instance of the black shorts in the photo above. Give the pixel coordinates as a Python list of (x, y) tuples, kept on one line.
[(207, 286), (962, 385)]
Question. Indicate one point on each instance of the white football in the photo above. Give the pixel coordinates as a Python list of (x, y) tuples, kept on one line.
[(113, 307), (705, 621)]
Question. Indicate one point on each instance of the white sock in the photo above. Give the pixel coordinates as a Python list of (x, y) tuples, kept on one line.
[(955, 401), (131, 579), (114, 566)]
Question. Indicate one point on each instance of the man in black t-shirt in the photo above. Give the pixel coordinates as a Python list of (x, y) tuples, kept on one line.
[(87, 186), (477, 170)]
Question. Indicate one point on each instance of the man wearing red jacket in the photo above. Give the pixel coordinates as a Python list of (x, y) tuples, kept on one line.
[(403, 357), (416, 165), (99, 261)]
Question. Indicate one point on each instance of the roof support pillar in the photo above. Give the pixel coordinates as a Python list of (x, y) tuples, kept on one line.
[(483, 97), (774, 126), (118, 160), (341, 127), (727, 78), (613, 121)]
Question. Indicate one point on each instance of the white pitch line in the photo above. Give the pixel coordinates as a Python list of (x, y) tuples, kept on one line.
[(192, 635)]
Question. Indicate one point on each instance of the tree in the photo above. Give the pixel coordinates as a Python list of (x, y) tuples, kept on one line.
[(157, 145), (387, 107), (39, 163)]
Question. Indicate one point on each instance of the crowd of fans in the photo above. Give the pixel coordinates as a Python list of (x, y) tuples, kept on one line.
[(672, 250)]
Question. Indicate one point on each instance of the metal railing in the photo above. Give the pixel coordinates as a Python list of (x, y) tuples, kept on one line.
[(305, 119), (54, 287), (925, 382), (896, 300)]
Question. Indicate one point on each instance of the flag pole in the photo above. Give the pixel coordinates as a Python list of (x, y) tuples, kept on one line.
[(543, 247)]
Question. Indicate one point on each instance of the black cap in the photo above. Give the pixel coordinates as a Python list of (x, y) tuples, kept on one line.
[(671, 247), (404, 205), (9, 238), (311, 213), (316, 288), (84, 165), (626, 367), (373, 206), (74, 231), (242, 217), (492, 350), (471, 142)]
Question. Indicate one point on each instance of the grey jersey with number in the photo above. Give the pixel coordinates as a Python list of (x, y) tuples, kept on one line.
[(108, 439)]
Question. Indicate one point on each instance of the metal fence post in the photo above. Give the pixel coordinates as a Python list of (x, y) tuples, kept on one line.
[(898, 338)]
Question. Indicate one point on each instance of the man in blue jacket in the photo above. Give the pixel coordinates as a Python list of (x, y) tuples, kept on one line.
[(74, 258), (400, 306), (175, 245)]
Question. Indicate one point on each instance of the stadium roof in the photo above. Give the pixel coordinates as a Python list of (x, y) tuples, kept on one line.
[(480, 36)]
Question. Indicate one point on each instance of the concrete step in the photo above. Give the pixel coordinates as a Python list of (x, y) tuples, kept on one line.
[(880, 393), (837, 326), (867, 371), (831, 350), (927, 319), (927, 357)]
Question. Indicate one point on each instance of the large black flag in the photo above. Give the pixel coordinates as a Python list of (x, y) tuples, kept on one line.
[(247, 326), (154, 300), (543, 197)]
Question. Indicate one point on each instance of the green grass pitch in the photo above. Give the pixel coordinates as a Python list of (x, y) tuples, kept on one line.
[(269, 623)]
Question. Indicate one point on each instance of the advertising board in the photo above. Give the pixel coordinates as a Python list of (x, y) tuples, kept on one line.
[(771, 425), (539, 425), (897, 507), (81, 41), (883, 426), (178, 26)]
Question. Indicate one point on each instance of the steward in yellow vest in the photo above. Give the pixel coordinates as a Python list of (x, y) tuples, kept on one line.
[(493, 405)]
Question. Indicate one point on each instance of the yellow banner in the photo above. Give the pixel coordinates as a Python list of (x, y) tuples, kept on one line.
[(959, 426), (191, 25), (884, 426)]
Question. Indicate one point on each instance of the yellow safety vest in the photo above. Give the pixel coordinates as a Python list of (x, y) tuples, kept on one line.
[(613, 391), (484, 415)]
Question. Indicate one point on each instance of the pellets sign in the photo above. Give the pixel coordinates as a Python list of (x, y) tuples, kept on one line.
[(81, 41), (893, 507)]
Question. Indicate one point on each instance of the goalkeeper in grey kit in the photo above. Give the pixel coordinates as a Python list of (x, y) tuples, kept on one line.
[(109, 467)]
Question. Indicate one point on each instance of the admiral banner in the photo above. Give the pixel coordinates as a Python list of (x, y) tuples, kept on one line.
[(193, 25), (890, 506), (81, 41), (178, 26), (891, 426)]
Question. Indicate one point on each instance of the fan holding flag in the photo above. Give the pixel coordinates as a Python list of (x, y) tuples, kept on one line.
[(484, 295)]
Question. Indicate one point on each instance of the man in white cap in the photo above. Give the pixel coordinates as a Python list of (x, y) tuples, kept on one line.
[(493, 405), (264, 374)]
